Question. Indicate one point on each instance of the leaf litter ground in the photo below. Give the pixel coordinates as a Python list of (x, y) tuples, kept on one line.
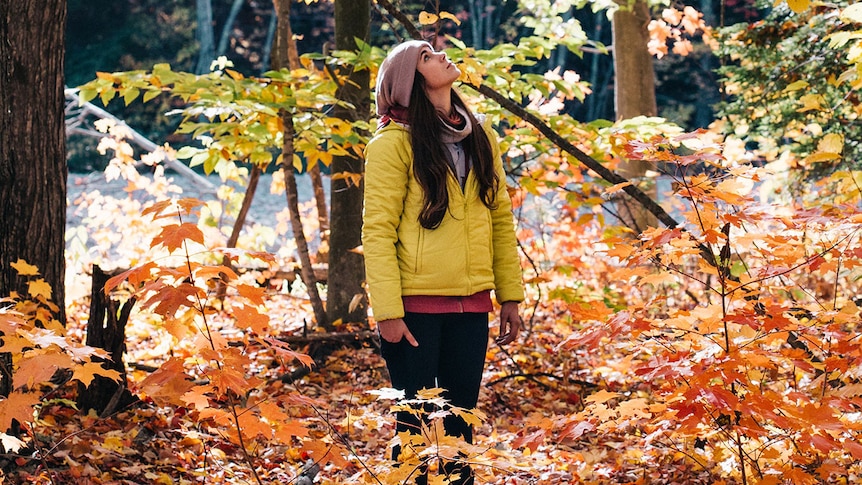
[(527, 392)]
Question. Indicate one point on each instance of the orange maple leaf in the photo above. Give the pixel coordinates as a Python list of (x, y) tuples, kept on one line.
[(18, 406), (254, 294), (39, 367), (171, 298), (157, 208), (325, 452), (135, 276), (282, 348), (249, 317), (39, 287), (173, 236), (197, 398), (24, 269), (168, 383), (87, 372)]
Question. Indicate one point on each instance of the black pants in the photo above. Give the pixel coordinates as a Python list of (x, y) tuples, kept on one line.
[(450, 355)]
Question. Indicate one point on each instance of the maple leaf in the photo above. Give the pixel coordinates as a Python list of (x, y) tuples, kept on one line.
[(220, 272), (531, 440), (602, 396), (157, 208), (39, 367), (135, 276), (18, 406), (197, 398), (39, 288), (170, 298), (88, 371), (24, 269), (251, 318), (168, 383), (282, 348), (288, 429), (173, 236), (323, 452), (388, 393), (253, 294)]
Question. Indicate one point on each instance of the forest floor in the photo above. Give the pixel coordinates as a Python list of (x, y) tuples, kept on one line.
[(526, 387)]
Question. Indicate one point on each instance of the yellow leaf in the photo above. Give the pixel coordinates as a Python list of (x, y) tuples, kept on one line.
[(821, 157), (796, 86), (798, 6), (426, 18), (24, 269), (87, 372), (39, 287), (831, 143), (447, 15), (811, 102)]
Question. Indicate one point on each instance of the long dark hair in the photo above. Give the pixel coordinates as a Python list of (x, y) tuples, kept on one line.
[(430, 164)]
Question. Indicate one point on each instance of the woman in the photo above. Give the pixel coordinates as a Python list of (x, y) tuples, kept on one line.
[(438, 234)]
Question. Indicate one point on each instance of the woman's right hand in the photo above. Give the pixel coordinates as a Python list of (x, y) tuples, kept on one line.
[(393, 330)]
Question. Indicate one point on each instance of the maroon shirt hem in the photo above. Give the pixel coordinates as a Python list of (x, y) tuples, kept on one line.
[(475, 303)]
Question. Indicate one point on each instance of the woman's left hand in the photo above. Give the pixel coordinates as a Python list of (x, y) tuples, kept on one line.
[(510, 323)]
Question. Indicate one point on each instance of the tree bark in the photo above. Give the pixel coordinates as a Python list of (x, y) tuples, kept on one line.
[(224, 39), (206, 53), (32, 144), (346, 299), (634, 96), (280, 60), (106, 329)]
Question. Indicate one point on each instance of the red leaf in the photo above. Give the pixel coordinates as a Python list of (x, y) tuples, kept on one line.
[(531, 440)]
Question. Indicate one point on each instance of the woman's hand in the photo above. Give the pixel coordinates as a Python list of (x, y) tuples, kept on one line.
[(394, 330), (510, 322)]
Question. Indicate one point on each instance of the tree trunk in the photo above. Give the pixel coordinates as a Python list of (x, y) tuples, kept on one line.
[(634, 96), (224, 39), (280, 60), (346, 298), (32, 145), (106, 329), (205, 36)]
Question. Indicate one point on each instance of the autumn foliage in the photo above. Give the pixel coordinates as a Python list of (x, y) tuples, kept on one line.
[(724, 349)]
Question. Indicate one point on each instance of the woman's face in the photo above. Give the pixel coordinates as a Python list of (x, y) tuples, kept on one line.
[(437, 69)]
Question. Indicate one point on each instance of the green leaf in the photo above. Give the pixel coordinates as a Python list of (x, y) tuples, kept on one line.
[(187, 152)]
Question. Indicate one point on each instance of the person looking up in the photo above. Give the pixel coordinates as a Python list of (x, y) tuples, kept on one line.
[(438, 237)]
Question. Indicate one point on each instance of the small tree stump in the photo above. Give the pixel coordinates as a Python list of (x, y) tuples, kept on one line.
[(106, 329)]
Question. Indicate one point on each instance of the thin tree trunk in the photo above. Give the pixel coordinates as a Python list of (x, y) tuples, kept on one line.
[(306, 270), (228, 25), (247, 199), (281, 60), (346, 298), (314, 169), (266, 55), (206, 44), (634, 96), (322, 212)]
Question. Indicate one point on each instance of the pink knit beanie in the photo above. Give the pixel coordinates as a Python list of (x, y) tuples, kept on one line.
[(396, 74)]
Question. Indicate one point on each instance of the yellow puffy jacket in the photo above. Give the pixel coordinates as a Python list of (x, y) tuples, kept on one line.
[(472, 250)]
